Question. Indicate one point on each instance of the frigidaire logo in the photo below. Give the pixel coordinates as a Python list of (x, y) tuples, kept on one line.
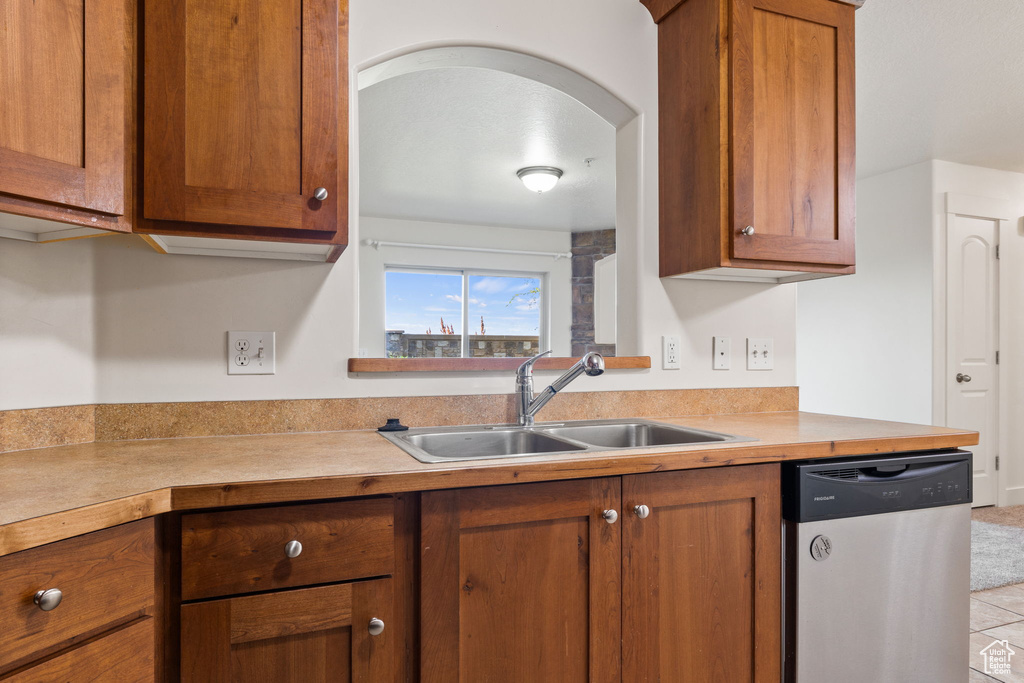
[(821, 498)]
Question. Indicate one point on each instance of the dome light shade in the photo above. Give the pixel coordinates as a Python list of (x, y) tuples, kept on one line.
[(539, 178)]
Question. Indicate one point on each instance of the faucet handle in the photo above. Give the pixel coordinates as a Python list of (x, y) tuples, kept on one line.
[(527, 367)]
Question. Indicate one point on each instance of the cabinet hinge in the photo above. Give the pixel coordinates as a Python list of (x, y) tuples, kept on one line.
[(997, 358), (997, 463)]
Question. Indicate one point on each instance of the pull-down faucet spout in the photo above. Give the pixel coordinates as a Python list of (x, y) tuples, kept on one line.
[(592, 364)]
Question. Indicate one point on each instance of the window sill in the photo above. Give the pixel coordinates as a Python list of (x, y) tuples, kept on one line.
[(484, 364)]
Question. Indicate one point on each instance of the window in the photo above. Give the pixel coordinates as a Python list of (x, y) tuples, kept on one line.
[(463, 314)]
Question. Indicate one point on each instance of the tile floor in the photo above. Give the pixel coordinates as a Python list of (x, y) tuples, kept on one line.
[(998, 614)]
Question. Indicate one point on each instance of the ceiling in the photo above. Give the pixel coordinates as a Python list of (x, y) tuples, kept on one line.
[(444, 145), (940, 79)]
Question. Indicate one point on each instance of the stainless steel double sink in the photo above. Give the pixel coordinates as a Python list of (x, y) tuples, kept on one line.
[(485, 442)]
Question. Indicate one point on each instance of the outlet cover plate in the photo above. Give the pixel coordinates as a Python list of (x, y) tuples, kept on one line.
[(670, 353), (722, 353), (760, 353), (251, 353)]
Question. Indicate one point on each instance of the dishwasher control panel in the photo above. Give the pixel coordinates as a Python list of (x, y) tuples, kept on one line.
[(850, 487)]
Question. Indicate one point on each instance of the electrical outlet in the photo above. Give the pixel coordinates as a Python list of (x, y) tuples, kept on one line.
[(251, 353), (670, 353), (722, 353), (760, 353)]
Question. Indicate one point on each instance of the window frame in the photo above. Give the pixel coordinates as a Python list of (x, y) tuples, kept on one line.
[(544, 326)]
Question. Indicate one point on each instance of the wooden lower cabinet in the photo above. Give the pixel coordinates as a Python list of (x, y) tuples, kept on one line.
[(81, 609), (521, 583), (301, 636), (537, 582), (702, 581)]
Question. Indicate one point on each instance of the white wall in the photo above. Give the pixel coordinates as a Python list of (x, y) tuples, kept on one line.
[(992, 184), (47, 331), (557, 274), (873, 345), (865, 342), (160, 320)]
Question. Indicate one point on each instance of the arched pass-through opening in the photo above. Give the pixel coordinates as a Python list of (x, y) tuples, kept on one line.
[(623, 118), (590, 94)]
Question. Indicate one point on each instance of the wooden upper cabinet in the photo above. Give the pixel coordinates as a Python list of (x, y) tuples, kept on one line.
[(702, 576), (521, 583), (65, 86), (757, 137), (246, 119)]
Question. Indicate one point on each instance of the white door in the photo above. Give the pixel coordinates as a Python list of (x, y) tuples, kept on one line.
[(972, 392)]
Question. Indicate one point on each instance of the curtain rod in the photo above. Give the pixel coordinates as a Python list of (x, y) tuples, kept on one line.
[(377, 244)]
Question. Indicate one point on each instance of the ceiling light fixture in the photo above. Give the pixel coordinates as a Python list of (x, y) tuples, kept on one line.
[(539, 178)]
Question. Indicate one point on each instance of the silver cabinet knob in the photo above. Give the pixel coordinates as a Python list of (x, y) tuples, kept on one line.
[(320, 193), (293, 549), (642, 511), (961, 378), (48, 599), (748, 231), (610, 516), (376, 627)]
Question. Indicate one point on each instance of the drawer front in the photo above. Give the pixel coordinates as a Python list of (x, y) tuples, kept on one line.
[(243, 551), (105, 577), (125, 656)]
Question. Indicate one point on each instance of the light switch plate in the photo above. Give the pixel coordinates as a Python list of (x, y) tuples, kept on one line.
[(760, 353), (251, 353), (722, 353)]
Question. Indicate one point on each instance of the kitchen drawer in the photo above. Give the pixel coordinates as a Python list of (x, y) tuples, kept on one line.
[(244, 551), (124, 656), (105, 578)]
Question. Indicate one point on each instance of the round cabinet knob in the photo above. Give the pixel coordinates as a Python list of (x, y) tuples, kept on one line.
[(48, 599), (293, 549), (642, 511), (748, 231), (320, 193), (961, 378), (376, 627), (610, 516)]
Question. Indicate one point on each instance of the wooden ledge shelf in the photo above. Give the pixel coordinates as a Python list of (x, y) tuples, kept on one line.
[(484, 364)]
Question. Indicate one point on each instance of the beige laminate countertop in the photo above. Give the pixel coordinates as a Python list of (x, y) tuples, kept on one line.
[(53, 493)]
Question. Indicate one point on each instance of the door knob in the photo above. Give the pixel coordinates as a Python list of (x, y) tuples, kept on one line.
[(48, 599), (293, 549), (610, 516), (961, 378), (642, 511), (748, 231), (320, 193), (376, 627)]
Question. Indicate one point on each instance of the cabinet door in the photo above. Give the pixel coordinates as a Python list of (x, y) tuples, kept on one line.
[(300, 636), (521, 583), (63, 76), (793, 131), (702, 576), (246, 101)]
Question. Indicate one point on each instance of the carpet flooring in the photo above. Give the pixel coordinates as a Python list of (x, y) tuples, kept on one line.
[(997, 555)]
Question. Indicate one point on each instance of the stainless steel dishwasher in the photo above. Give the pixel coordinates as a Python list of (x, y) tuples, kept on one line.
[(878, 563)]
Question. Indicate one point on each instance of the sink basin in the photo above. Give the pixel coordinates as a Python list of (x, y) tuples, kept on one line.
[(476, 443), (635, 434), (445, 444)]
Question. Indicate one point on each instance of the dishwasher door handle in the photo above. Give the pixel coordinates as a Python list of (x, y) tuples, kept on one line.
[(882, 473)]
